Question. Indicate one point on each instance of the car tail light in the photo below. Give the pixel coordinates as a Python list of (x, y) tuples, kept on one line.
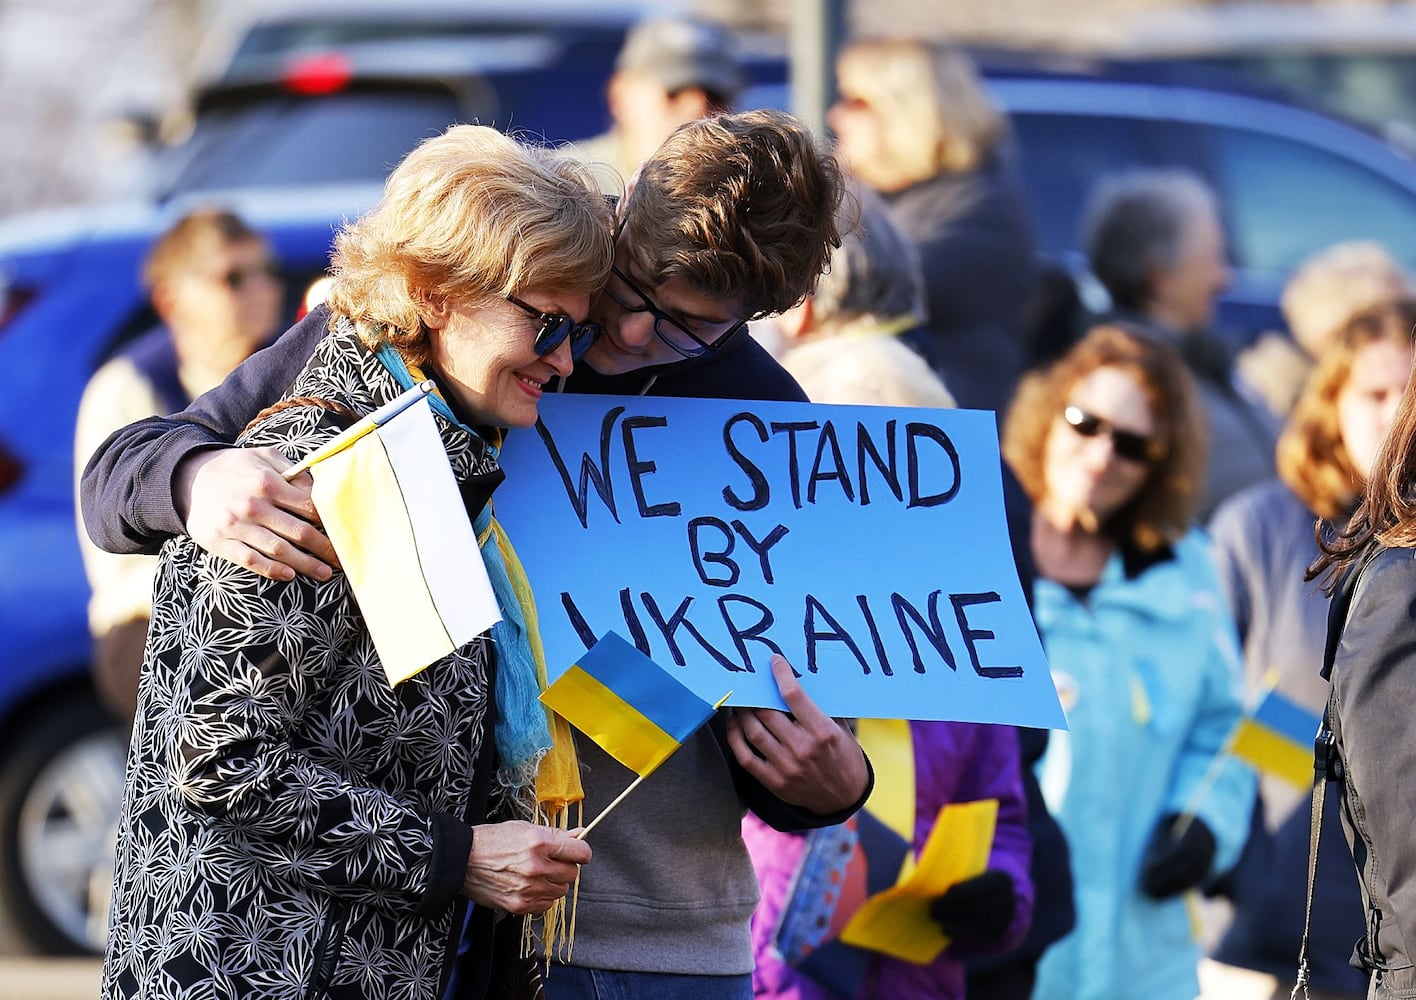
[(323, 73), (13, 300), (10, 470)]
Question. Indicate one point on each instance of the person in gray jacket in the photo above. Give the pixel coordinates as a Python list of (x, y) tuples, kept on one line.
[(1263, 541), (1155, 241)]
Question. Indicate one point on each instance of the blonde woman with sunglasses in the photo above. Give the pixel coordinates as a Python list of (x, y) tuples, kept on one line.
[(293, 825)]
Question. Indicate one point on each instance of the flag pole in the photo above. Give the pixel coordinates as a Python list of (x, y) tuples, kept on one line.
[(606, 811), (1202, 790), (1267, 683), (356, 431), (633, 785)]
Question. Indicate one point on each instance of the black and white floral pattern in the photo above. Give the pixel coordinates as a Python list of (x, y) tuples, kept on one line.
[(280, 832)]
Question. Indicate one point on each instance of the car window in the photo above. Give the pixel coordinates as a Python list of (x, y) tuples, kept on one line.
[(275, 139), (1285, 200), (544, 77), (341, 137), (579, 43), (1373, 87), (568, 104), (1062, 157)]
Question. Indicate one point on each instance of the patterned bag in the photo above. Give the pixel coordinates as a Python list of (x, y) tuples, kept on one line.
[(841, 866)]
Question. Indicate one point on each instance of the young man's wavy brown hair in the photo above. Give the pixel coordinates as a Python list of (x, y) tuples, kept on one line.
[(742, 207)]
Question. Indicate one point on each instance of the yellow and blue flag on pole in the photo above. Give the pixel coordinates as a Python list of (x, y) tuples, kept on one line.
[(1276, 736), (391, 507), (633, 708)]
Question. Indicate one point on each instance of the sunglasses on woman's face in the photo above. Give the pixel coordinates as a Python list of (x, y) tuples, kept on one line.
[(1126, 444), (239, 277), (555, 327)]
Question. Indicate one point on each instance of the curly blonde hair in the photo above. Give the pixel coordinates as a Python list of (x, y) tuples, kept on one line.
[(1163, 506), (468, 216)]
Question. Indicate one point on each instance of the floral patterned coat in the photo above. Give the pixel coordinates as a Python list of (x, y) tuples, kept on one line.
[(292, 825)]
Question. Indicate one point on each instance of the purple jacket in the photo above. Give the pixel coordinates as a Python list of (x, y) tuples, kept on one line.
[(954, 762)]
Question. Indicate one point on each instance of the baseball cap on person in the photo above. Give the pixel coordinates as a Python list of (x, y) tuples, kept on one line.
[(680, 53)]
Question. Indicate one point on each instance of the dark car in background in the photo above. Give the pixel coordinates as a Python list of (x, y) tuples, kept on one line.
[(1355, 60), (303, 80), (1290, 180), (299, 106)]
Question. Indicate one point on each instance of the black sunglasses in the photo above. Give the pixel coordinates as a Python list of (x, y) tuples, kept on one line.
[(236, 278), (555, 327), (1127, 444)]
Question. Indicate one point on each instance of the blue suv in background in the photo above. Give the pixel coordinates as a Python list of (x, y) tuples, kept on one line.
[(71, 297)]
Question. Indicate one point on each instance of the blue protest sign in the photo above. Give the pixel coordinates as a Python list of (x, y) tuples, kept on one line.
[(866, 544)]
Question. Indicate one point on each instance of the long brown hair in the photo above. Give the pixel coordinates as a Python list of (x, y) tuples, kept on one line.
[(1312, 459), (1386, 512)]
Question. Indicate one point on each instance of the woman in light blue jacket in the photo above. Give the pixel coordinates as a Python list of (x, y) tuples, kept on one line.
[(1108, 443)]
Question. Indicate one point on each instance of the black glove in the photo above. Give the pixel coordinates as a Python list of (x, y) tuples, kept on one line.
[(1171, 865), (978, 908)]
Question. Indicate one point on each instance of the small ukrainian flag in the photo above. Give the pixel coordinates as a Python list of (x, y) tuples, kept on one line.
[(393, 512), (1276, 736), (628, 704)]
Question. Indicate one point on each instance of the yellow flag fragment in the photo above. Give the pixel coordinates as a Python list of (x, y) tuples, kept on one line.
[(896, 922)]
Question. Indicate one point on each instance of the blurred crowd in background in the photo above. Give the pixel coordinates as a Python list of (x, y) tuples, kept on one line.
[(1132, 432), (1164, 480), (86, 91)]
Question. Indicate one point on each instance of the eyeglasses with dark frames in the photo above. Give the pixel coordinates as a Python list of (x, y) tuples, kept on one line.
[(1127, 444), (631, 298), (555, 328)]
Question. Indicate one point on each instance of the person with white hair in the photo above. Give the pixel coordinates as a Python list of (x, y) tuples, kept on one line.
[(1155, 241), (860, 336)]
